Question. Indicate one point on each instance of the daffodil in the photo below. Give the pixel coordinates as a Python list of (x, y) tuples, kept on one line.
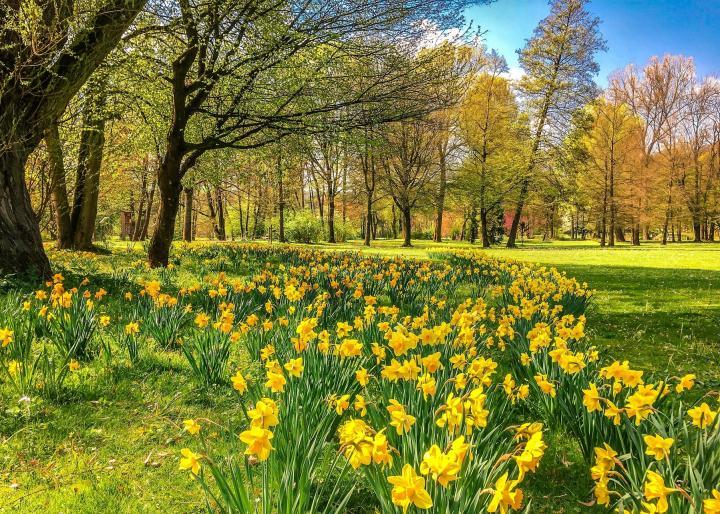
[(442, 467), (192, 426), (264, 414), (6, 336), (712, 505), (505, 495), (702, 416), (658, 446), (655, 489), (409, 489), (399, 418), (239, 383), (295, 367), (258, 441), (190, 461)]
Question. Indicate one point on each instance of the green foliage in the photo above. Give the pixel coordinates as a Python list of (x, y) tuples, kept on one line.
[(345, 230), (303, 227), (207, 351)]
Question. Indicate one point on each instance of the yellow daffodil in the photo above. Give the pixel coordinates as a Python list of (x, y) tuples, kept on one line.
[(658, 446), (258, 441), (702, 416), (190, 461), (192, 426), (505, 495), (409, 489)]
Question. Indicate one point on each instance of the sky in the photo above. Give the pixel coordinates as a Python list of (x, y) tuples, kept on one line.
[(635, 30)]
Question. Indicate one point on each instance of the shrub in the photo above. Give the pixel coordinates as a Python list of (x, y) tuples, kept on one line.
[(304, 227), (345, 230)]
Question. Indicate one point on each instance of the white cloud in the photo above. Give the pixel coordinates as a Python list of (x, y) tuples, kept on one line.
[(514, 73)]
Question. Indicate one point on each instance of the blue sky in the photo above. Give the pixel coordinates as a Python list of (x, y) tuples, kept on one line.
[(634, 29)]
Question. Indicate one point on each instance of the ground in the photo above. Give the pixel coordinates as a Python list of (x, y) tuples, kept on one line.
[(656, 306)]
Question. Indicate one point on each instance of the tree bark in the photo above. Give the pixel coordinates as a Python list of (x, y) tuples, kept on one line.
[(331, 216), (148, 212), (187, 223), (369, 217), (21, 249), (221, 229), (58, 187), (440, 200), (281, 200), (407, 228), (87, 184)]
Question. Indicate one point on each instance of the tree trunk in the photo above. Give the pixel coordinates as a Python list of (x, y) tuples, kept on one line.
[(440, 201), (21, 248), (87, 185), (58, 187), (281, 201), (331, 216), (484, 229), (369, 216), (148, 212), (187, 222), (169, 184), (221, 230), (137, 228), (407, 228), (512, 236), (697, 233)]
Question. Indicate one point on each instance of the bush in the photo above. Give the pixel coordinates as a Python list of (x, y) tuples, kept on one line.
[(303, 227), (345, 230), (425, 235)]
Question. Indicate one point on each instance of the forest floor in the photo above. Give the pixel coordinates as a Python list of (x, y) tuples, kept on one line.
[(112, 446)]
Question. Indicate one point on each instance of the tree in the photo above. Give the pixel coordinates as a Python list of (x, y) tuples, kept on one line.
[(656, 97), (492, 131), (559, 65), (48, 54), (245, 74), (460, 63), (613, 144), (409, 168)]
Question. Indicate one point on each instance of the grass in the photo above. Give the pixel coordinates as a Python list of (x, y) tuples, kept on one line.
[(114, 446)]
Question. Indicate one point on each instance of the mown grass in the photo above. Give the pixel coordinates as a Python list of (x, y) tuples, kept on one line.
[(112, 445)]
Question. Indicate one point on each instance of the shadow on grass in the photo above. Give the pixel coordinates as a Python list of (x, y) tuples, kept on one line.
[(665, 320)]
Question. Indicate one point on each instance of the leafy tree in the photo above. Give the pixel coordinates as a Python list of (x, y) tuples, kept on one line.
[(48, 53), (492, 130), (559, 66)]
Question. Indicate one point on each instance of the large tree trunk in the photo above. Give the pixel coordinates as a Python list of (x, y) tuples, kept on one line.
[(32, 102), (170, 187), (58, 187), (21, 248), (697, 232)]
